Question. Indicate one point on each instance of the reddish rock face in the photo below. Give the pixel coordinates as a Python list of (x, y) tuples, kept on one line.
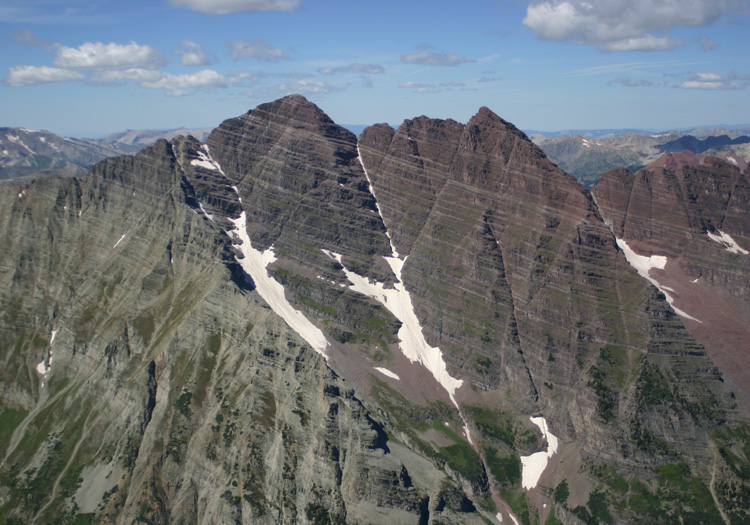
[(670, 208), (513, 272)]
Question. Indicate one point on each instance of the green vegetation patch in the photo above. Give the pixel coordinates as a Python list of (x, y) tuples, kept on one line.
[(319, 515), (499, 425), (144, 327), (183, 403), (463, 459), (505, 469), (519, 504), (267, 414), (675, 496), (9, 420), (562, 492)]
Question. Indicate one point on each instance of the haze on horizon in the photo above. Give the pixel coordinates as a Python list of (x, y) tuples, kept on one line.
[(79, 68)]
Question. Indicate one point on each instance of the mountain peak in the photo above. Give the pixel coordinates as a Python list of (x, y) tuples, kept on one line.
[(485, 118), (673, 161), (293, 107)]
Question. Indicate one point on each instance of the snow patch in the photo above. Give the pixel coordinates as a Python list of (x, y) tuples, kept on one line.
[(533, 466), (397, 300), (411, 339), (255, 264), (695, 280), (499, 517), (467, 433), (726, 240), (210, 217), (205, 161), (119, 241), (387, 373), (730, 159), (44, 367), (17, 140), (238, 193), (643, 266)]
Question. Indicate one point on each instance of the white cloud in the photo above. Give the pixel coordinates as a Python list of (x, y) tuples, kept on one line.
[(369, 69), (29, 75), (307, 87), (710, 80), (435, 58), (96, 55), (258, 50), (642, 43), (177, 84), (621, 25), (135, 74), (224, 7), (193, 54), (301, 87)]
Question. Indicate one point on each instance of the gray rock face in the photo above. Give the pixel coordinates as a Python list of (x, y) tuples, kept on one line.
[(147, 379)]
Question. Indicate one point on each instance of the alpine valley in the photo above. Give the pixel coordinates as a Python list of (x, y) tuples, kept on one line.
[(286, 323)]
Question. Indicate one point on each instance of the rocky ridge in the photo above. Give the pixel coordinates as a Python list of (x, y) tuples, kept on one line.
[(26, 154), (147, 378)]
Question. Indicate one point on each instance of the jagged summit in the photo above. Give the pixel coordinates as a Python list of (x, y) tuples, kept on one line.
[(294, 108), (485, 116)]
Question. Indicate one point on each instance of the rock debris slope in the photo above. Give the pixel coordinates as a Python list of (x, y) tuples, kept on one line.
[(431, 324)]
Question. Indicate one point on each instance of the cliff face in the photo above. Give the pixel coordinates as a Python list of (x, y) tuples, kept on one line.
[(693, 210), (287, 324)]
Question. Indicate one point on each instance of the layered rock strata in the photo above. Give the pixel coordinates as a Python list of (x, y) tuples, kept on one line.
[(223, 332)]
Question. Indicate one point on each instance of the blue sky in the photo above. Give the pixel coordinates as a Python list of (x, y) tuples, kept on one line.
[(90, 67)]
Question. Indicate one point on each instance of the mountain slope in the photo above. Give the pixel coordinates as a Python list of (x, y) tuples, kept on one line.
[(693, 210), (287, 324)]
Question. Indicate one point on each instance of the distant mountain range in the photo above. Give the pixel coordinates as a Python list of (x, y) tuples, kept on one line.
[(586, 154), (587, 158), (26, 154)]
